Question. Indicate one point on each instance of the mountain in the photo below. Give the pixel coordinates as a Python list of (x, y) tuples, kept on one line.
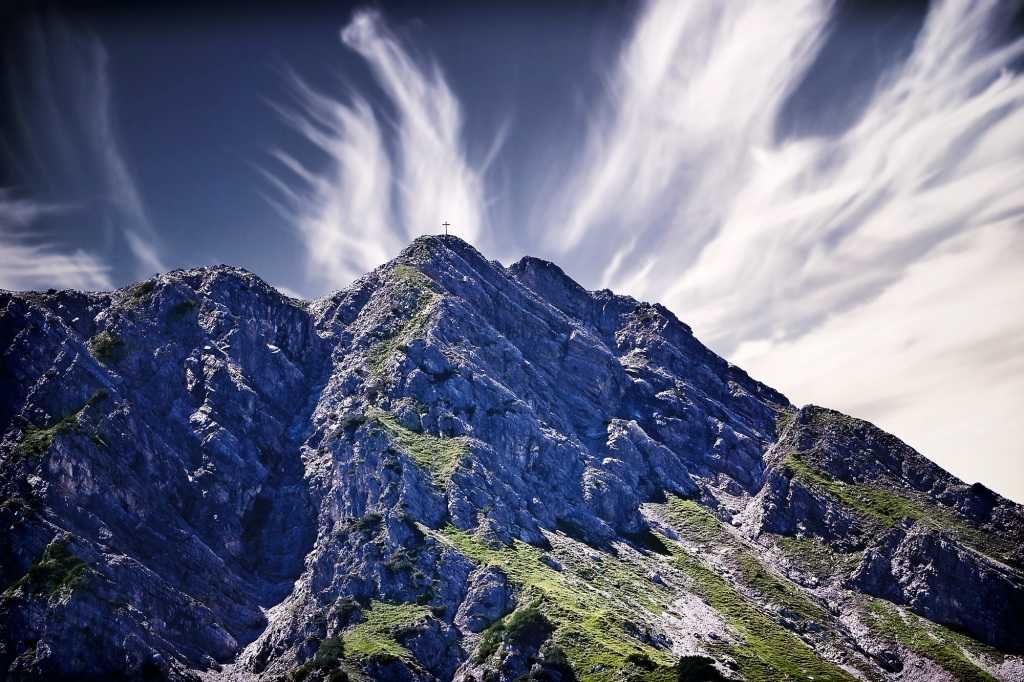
[(458, 470)]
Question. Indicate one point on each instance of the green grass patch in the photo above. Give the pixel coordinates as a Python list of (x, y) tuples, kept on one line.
[(375, 637), (410, 276), (776, 590), (875, 503), (886, 508), (180, 311), (695, 522), (106, 347), (490, 640), (698, 525), (783, 419), (423, 288), (36, 440), (769, 652), (940, 644), (593, 606), (524, 625), (326, 661), (815, 557), (142, 292), (437, 455), (527, 624), (58, 571)]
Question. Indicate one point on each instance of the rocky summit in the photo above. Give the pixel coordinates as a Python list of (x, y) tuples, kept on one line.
[(456, 470)]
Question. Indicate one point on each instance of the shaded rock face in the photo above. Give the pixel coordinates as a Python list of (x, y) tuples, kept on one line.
[(489, 598), (457, 470), (947, 583)]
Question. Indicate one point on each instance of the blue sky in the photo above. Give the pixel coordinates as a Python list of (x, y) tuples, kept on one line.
[(829, 193)]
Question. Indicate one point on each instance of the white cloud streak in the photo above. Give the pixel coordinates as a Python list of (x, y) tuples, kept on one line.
[(29, 263), (71, 158), (934, 361), (876, 269), (344, 214), (696, 88), (859, 269), (370, 201), (121, 188)]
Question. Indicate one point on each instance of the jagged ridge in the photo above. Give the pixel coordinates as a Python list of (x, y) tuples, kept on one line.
[(456, 470)]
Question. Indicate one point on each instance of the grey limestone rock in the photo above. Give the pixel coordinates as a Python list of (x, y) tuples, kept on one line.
[(457, 470)]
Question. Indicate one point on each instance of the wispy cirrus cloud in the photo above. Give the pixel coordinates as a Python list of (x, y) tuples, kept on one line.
[(816, 262), (32, 263), (343, 213), (120, 186), (65, 148), (697, 86), (783, 251), (937, 358), (815, 225), (373, 198), (684, 191)]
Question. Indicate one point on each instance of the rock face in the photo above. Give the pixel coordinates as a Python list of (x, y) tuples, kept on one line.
[(457, 470)]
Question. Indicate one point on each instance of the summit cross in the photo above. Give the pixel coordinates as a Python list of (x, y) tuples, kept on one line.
[(445, 226)]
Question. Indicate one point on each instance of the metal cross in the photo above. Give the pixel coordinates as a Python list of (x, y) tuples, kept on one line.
[(445, 226)]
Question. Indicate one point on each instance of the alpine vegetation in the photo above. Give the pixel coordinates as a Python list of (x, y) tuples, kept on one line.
[(456, 470)]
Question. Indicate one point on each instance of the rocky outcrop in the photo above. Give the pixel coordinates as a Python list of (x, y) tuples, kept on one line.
[(457, 470), (945, 582), (488, 598)]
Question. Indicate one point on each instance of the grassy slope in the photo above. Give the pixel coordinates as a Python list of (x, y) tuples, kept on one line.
[(376, 635), (36, 440), (885, 507), (949, 649), (593, 606), (768, 651), (421, 286), (437, 455), (58, 571)]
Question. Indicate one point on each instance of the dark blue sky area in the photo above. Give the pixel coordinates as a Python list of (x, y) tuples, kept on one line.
[(191, 94)]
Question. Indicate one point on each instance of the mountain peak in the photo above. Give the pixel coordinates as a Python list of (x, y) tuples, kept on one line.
[(453, 470), (545, 275), (434, 246)]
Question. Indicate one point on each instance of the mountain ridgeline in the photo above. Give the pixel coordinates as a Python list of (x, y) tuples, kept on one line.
[(454, 470)]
